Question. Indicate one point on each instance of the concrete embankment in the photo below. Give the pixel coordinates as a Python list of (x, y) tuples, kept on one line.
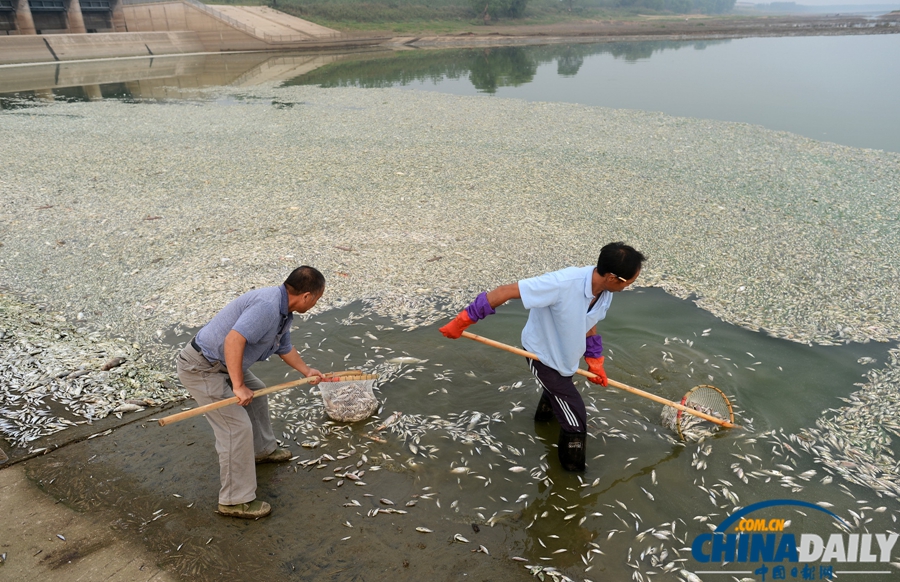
[(70, 47), (180, 27)]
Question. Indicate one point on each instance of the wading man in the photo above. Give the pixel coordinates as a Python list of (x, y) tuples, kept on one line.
[(564, 308), (215, 365)]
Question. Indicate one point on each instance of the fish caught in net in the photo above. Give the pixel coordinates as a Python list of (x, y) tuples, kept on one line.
[(706, 399), (349, 400)]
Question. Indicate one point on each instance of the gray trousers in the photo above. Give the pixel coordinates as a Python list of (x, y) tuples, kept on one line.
[(242, 432)]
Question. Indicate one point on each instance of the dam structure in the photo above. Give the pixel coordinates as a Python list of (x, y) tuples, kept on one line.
[(41, 31)]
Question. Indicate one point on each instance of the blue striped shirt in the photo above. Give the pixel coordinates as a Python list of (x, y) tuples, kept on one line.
[(261, 316)]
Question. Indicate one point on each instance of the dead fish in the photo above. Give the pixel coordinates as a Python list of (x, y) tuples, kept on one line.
[(386, 501), (113, 363), (517, 469), (127, 407), (423, 530), (460, 539), (405, 360)]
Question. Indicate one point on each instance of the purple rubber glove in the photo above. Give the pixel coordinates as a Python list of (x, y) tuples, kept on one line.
[(480, 308), (593, 346)]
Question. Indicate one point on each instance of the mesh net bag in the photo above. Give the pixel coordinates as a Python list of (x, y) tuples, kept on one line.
[(349, 400), (706, 399)]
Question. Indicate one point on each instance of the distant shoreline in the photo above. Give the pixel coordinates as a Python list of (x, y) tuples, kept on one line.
[(691, 27)]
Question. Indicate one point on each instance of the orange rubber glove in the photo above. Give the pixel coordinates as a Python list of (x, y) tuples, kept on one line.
[(454, 329), (595, 366)]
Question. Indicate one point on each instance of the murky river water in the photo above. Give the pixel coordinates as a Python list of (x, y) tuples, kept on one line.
[(640, 477)]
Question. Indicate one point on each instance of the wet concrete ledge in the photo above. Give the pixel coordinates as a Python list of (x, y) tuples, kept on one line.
[(43, 540), (70, 47), (37, 49)]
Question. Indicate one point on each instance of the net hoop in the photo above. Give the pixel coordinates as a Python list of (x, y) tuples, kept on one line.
[(708, 399)]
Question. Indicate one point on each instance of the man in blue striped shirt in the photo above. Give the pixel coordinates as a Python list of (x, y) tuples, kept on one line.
[(215, 366), (564, 308)]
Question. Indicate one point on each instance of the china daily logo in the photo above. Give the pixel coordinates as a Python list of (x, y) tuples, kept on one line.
[(772, 553)]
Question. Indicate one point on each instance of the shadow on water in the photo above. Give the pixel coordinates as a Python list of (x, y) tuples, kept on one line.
[(465, 457), (488, 69)]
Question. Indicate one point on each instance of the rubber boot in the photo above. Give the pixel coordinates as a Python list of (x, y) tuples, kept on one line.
[(572, 450), (544, 410)]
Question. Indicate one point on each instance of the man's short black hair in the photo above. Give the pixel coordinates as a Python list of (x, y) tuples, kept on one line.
[(620, 260), (305, 279)]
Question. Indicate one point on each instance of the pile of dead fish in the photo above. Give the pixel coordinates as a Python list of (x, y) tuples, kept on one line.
[(55, 375), (855, 441)]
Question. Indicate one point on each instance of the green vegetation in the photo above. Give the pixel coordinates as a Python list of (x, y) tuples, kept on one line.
[(449, 16)]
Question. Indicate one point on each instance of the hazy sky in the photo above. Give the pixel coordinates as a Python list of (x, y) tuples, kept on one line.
[(895, 4)]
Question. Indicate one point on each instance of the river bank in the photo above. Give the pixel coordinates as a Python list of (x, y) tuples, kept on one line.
[(690, 27)]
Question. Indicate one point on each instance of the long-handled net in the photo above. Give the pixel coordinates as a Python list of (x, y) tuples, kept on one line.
[(706, 399), (706, 404), (349, 399), (363, 386)]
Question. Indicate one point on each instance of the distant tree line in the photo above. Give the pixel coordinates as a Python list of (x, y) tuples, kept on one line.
[(516, 8), (392, 11), (679, 6)]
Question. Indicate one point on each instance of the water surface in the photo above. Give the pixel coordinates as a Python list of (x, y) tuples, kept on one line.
[(832, 88)]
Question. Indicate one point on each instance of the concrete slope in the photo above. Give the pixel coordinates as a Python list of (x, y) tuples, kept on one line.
[(274, 24)]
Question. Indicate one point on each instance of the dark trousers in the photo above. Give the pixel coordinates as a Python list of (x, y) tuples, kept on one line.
[(562, 396)]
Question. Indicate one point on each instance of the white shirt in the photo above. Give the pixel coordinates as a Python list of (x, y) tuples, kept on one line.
[(558, 318)]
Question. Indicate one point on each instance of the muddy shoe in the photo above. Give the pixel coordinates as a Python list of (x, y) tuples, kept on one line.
[(276, 456), (253, 510)]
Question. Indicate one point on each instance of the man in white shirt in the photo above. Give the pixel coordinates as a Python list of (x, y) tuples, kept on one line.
[(564, 308)]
